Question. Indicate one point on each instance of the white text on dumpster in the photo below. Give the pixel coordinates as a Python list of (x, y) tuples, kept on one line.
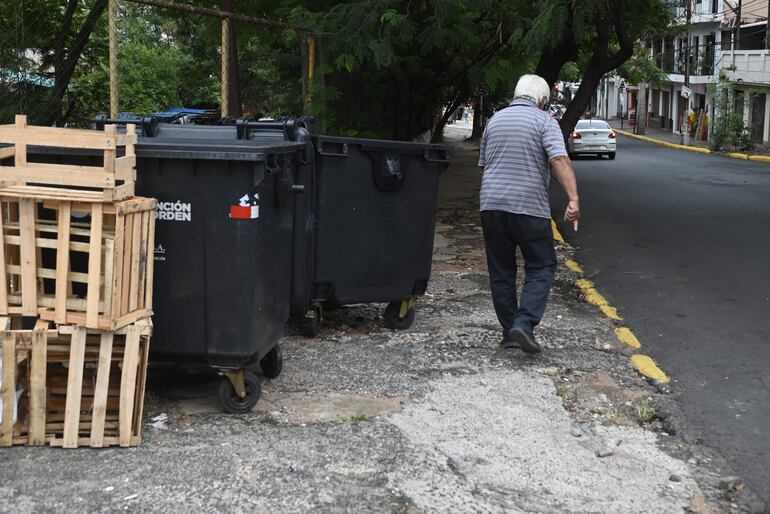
[(174, 211)]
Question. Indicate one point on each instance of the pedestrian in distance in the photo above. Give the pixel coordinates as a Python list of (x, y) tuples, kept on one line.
[(520, 146)]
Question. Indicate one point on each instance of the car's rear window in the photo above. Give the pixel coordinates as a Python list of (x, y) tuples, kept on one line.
[(599, 124)]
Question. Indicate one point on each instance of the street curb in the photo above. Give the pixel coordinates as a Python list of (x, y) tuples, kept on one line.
[(663, 143), (734, 155), (645, 365)]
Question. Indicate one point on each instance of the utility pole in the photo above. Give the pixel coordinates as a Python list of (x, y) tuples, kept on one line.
[(737, 25), (686, 122)]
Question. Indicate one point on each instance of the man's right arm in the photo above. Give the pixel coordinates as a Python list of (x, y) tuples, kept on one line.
[(565, 175)]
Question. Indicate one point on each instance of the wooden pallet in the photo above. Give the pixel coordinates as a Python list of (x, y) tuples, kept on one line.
[(112, 181), (88, 264), (81, 387)]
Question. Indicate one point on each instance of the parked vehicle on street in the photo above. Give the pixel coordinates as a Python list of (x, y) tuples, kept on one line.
[(594, 137)]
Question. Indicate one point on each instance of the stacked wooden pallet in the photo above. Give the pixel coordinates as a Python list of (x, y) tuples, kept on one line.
[(76, 263)]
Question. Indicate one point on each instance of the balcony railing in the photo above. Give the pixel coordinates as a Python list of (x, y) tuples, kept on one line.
[(749, 66)]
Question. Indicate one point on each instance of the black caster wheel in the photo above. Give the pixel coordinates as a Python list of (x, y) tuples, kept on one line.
[(231, 402), (272, 363), (393, 317), (311, 322)]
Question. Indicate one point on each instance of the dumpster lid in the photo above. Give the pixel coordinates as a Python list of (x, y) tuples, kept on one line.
[(225, 150), (337, 146)]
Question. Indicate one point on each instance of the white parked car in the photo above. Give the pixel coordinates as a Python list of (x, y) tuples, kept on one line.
[(593, 137)]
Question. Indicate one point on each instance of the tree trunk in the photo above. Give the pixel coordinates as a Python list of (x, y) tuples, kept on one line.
[(234, 107), (58, 58), (552, 60), (69, 63)]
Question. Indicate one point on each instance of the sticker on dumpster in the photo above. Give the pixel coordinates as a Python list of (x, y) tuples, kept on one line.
[(160, 253), (174, 211), (247, 208)]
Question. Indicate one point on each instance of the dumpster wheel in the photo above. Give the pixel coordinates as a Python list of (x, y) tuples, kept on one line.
[(399, 315), (231, 401), (311, 321), (272, 363)]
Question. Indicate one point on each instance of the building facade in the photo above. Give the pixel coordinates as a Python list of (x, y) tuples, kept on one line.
[(719, 48)]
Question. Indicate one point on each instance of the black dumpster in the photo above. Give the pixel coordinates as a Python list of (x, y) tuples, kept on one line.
[(223, 238), (224, 233), (374, 211), (376, 217)]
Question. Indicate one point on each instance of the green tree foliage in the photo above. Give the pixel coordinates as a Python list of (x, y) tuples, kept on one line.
[(386, 68)]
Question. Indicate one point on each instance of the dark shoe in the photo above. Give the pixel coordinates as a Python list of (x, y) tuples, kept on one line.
[(507, 342), (524, 340)]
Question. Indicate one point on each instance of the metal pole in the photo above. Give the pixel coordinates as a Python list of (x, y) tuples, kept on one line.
[(113, 44), (738, 26), (225, 102), (311, 51), (686, 122)]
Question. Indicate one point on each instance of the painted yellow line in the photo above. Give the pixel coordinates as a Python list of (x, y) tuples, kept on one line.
[(573, 266), (663, 143), (593, 297), (556, 234), (760, 158), (625, 336), (649, 368)]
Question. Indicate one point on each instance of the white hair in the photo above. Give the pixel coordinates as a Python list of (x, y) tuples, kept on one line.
[(533, 88)]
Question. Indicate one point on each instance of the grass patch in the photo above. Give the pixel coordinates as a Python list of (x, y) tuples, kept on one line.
[(359, 418), (561, 391), (645, 410)]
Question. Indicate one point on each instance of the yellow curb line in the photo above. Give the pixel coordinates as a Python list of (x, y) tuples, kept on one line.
[(642, 363), (625, 336), (760, 158), (647, 367), (663, 143), (735, 155), (556, 234), (593, 297)]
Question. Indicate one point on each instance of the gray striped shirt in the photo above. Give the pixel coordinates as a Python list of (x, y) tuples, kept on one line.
[(515, 149)]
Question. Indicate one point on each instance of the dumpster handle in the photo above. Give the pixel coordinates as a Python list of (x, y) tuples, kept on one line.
[(443, 155), (342, 152)]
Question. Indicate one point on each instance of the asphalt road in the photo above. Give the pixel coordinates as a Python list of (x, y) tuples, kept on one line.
[(678, 242)]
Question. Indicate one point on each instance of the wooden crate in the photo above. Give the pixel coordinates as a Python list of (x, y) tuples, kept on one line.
[(80, 387), (112, 181), (93, 269)]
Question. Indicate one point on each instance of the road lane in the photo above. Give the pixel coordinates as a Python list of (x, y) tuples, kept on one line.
[(678, 241)]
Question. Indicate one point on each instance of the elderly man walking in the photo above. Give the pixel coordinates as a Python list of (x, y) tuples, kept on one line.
[(520, 145)]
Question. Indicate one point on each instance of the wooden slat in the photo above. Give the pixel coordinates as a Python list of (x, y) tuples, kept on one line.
[(73, 276), (20, 147), (119, 193), (126, 270), (141, 381), (150, 263), (28, 257), (136, 261), (109, 277), (7, 152), (128, 385), (80, 206), (85, 441), (125, 167), (146, 256), (56, 137), (94, 268), (62, 261), (44, 242), (120, 231), (130, 318), (3, 271), (138, 204), (74, 388), (101, 389), (37, 386), (8, 390), (53, 193), (52, 174), (110, 154)]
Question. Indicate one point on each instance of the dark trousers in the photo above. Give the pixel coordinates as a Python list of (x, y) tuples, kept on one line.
[(503, 233)]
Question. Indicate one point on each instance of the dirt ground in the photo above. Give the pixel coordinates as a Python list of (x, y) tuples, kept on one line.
[(434, 418)]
